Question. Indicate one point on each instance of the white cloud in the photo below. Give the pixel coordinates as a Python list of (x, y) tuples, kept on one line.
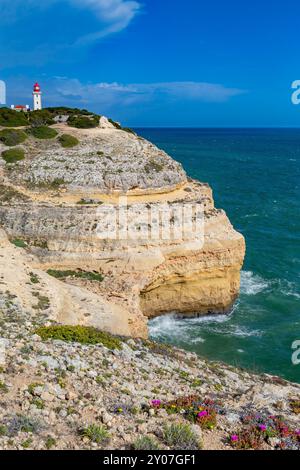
[(117, 14), (141, 92), (114, 15)]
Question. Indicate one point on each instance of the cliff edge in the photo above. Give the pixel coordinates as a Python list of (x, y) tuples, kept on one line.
[(59, 181)]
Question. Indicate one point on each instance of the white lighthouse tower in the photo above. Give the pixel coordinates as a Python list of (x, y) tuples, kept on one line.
[(37, 97)]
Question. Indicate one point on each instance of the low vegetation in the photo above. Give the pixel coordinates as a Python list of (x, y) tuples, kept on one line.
[(181, 437), (19, 243), (153, 167), (11, 118), (194, 409), (295, 406), (119, 127), (12, 137), (95, 433), (68, 141), (22, 423), (8, 194), (13, 155), (146, 443), (84, 122), (89, 276), (79, 334), (40, 118), (43, 132)]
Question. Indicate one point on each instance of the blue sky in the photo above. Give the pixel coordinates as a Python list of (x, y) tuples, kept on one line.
[(156, 62)]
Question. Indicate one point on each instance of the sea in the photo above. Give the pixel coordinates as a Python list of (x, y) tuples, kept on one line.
[(255, 176)]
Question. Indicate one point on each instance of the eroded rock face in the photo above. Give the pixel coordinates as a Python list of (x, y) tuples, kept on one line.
[(105, 160), (64, 227)]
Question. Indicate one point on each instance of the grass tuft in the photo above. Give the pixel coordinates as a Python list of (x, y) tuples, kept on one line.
[(95, 433), (145, 443), (181, 437)]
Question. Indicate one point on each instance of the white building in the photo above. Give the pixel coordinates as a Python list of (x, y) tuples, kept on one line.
[(37, 97), (20, 108)]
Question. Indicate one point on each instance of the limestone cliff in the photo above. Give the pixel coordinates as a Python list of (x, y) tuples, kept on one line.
[(54, 201)]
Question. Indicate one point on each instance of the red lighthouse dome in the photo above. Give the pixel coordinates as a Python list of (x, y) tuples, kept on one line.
[(36, 88)]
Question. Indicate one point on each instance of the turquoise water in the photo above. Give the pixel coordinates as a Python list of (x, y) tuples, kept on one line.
[(255, 175)]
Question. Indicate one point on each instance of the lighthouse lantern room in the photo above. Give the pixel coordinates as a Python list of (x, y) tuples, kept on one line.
[(37, 97)]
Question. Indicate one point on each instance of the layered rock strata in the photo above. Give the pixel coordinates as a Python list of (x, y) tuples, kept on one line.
[(56, 200)]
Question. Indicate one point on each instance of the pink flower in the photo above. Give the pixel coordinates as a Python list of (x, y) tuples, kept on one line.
[(156, 402), (202, 413), (262, 427), (234, 438), (297, 432)]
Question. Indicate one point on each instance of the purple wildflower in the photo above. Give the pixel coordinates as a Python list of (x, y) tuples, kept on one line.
[(156, 402)]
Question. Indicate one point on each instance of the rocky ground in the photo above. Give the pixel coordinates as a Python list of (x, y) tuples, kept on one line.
[(61, 395), (105, 159)]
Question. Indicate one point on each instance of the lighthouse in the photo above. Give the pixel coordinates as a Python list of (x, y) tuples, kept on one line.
[(37, 97)]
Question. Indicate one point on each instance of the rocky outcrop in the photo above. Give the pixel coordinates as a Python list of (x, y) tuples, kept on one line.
[(58, 389), (58, 204)]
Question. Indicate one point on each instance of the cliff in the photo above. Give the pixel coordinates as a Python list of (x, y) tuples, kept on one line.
[(54, 201), (77, 266)]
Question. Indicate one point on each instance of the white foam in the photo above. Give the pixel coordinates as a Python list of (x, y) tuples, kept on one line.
[(288, 288), (198, 340), (252, 284), (244, 332), (183, 328), (248, 216)]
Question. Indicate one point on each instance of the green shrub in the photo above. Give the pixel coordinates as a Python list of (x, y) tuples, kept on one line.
[(120, 128), (127, 129), (34, 279), (13, 155), (95, 433), (43, 132), (11, 118), (153, 166), (90, 276), (40, 118), (19, 243), (68, 141), (84, 122), (12, 137), (146, 443), (7, 194), (22, 423), (79, 334), (3, 387), (65, 111), (27, 443), (181, 437), (115, 124), (56, 183), (50, 442), (3, 430)]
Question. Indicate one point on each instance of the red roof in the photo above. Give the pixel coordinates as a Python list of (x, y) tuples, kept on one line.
[(36, 87), (19, 106)]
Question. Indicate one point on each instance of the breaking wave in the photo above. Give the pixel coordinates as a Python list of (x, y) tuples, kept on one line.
[(252, 284)]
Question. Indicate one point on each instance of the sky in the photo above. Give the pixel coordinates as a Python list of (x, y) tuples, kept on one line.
[(156, 63)]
